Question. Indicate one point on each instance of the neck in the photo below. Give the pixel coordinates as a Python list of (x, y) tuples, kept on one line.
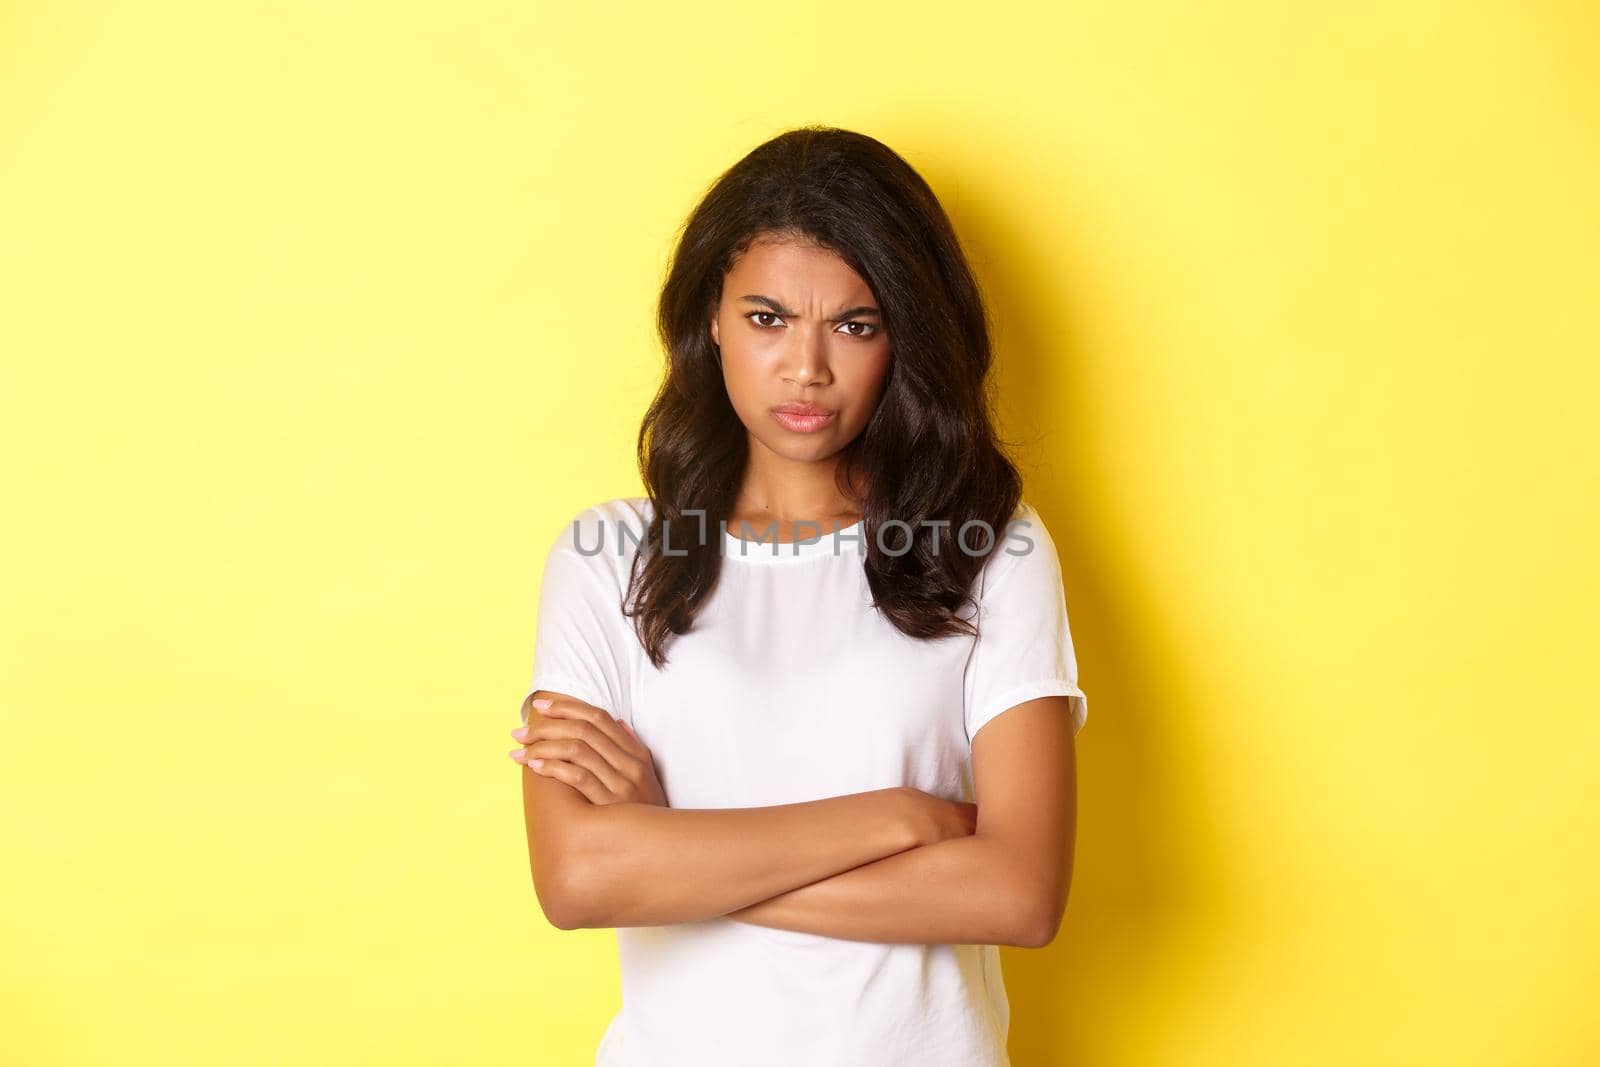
[(776, 488)]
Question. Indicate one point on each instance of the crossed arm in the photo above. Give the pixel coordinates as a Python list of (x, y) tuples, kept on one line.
[(891, 865)]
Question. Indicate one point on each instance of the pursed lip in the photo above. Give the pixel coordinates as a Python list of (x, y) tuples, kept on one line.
[(802, 409)]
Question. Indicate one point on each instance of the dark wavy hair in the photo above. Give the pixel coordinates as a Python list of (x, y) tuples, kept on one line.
[(930, 451)]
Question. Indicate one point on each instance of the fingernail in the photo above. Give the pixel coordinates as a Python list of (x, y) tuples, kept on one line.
[(536, 763), (520, 733), (542, 703), (514, 753)]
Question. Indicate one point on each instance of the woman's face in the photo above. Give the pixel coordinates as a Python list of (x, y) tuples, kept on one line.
[(798, 326)]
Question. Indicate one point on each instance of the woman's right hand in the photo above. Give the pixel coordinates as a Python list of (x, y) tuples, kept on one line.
[(936, 819)]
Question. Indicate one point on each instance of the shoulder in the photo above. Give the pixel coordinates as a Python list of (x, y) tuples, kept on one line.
[(1025, 548), (602, 538), (1026, 532), (632, 512)]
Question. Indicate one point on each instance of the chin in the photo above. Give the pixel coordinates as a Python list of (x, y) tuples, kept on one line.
[(802, 451)]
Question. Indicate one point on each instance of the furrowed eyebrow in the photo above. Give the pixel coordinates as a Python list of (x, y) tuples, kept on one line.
[(848, 313)]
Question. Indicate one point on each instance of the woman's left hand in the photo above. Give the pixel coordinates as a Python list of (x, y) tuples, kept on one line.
[(591, 750)]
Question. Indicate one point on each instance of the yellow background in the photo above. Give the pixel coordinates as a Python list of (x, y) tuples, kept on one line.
[(319, 319)]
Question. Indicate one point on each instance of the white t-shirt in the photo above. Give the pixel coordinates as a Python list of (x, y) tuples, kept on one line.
[(792, 687)]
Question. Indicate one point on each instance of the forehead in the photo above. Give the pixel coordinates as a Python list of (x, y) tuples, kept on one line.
[(795, 269)]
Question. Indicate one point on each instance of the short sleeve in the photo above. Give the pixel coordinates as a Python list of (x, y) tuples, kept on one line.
[(1024, 645), (582, 640)]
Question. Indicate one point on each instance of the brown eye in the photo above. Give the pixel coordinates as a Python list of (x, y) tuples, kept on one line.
[(752, 316), (868, 329)]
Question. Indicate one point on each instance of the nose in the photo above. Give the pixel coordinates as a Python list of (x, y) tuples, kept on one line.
[(807, 361)]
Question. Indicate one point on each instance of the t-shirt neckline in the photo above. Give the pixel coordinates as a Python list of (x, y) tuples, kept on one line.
[(827, 543)]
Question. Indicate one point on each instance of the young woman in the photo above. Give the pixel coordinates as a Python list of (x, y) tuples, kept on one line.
[(801, 721)]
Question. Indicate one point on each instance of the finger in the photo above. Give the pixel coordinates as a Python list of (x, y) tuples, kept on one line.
[(552, 703), (557, 707), (577, 777), (567, 716), (565, 707), (612, 742), (577, 741), (579, 754)]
